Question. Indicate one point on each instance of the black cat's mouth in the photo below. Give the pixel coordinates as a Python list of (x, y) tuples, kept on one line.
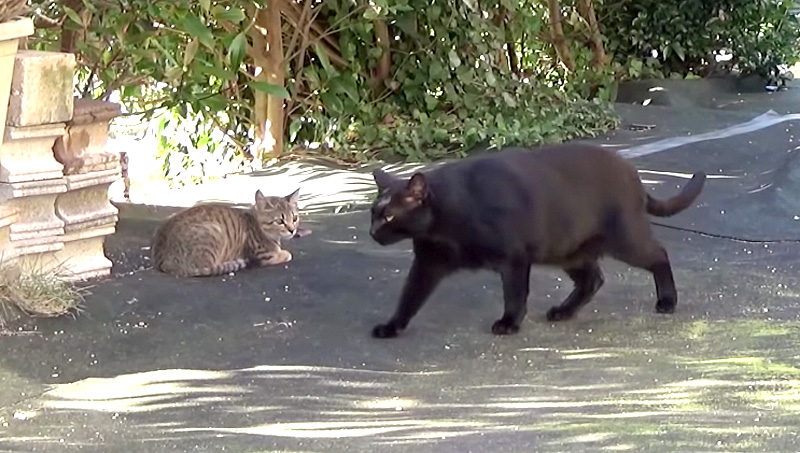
[(383, 237)]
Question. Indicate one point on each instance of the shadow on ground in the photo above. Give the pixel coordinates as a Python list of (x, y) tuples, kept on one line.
[(281, 358)]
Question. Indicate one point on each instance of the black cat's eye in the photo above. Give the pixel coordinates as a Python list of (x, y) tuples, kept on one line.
[(388, 218)]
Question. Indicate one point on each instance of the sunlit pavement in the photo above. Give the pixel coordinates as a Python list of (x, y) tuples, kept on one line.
[(281, 359)]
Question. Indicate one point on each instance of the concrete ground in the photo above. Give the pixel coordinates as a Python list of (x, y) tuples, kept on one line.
[(281, 359)]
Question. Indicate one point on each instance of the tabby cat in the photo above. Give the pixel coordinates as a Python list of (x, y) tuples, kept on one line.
[(562, 205), (214, 239)]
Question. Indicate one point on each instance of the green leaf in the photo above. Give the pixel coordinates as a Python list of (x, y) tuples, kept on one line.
[(437, 71), (431, 103), (195, 27), (73, 15), (216, 71), (401, 8), (371, 14), (510, 101), (190, 52), (346, 85), (235, 15), (215, 103), (237, 50), (434, 11), (408, 24), (676, 46), (455, 62), (173, 73), (470, 101), (326, 63), (294, 128), (331, 101), (465, 75), (270, 88), (205, 4), (491, 80)]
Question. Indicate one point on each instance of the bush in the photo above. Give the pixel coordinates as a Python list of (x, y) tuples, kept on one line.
[(655, 38)]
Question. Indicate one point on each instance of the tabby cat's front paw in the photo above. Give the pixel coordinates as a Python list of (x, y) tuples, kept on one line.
[(385, 331), (279, 257), (504, 327), (285, 256)]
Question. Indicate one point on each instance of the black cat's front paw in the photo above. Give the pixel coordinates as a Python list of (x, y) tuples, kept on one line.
[(666, 306), (558, 314), (504, 327), (385, 331)]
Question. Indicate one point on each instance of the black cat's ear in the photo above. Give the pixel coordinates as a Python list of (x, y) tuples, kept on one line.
[(417, 187), (293, 197), (382, 179)]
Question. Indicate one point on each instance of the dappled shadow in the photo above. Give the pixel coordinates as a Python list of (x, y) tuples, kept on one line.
[(691, 386), (281, 358), (323, 187)]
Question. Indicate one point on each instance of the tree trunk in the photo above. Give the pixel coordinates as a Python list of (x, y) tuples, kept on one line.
[(503, 56), (586, 10), (384, 69), (68, 37), (513, 59), (269, 108), (557, 35)]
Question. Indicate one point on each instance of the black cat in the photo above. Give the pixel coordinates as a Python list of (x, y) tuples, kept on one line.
[(562, 205)]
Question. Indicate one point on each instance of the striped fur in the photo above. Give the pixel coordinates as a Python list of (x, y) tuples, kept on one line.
[(214, 239)]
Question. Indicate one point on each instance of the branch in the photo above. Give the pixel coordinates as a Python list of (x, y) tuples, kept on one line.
[(557, 34)]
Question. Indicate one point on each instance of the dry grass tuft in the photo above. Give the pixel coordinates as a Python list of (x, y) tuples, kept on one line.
[(37, 293)]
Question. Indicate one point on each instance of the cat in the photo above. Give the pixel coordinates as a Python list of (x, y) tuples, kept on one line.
[(562, 205), (214, 239)]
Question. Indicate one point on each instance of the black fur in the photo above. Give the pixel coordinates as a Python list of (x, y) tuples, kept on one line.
[(563, 205)]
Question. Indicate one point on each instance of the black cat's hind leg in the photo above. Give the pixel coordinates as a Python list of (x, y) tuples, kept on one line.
[(640, 249), (588, 278)]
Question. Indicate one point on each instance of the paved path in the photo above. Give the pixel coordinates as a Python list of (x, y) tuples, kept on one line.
[(281, 359)]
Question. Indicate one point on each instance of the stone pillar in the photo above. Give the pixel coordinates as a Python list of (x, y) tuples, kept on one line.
[(89, 170), (55, 171), (31, 178)]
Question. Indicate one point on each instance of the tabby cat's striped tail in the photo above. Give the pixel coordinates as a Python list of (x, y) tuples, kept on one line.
[(221, 268)]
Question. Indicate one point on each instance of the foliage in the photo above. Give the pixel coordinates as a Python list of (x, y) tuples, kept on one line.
[(652, 38), (450, 84), (450, 89), (181, 55)]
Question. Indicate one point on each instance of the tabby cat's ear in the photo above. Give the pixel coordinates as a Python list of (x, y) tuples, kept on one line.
[(417, 187), (294, 196), (261, 200), (382, 179)]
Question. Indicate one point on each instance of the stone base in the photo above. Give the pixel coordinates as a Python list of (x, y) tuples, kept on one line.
[(84, 207), (36, 229), (83, 256), (27, 153), (35, 204)]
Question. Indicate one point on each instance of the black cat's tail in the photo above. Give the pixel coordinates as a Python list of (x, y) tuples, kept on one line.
[(676, 204)]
